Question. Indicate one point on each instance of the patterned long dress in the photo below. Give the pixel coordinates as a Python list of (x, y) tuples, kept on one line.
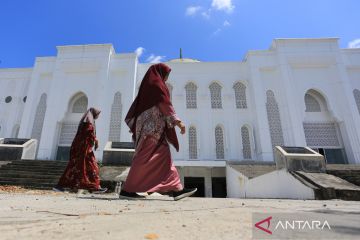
[(152, 169), (82, 171)]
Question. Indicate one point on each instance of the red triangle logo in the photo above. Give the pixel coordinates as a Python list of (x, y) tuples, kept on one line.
[(262, 228)]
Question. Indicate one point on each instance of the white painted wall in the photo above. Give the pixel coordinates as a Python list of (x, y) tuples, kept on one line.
[(13, 83), (235, 183), (276, 184)]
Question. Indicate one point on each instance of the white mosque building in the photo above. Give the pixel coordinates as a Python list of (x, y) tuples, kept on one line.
[(299, 92)]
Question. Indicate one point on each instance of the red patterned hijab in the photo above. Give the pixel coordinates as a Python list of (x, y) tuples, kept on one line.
[(152, 91)]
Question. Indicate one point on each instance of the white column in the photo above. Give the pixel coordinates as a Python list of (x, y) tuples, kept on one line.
[(261, 129), (32, 100), (48, 141), (128, 91), (208, 183), (103, 100), (349, 111), (295, 129)]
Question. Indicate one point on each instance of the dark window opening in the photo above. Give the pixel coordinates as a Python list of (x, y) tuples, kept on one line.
[(8, 99), (333, 156)]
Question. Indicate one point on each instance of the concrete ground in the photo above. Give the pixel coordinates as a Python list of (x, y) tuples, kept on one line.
[(50, 215)]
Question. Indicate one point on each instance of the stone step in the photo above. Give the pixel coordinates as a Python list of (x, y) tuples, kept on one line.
[(343, 167), (35, 166), (22, 171), (352, 176), (330, 186), (31, 185), (41, 161), (32, 180), (29, 175), (43, 171), (32, 174), (28, 183), (37, 163), (32, 168)]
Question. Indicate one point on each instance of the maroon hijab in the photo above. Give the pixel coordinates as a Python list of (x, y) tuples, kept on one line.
[(152, 91), (89, 117)]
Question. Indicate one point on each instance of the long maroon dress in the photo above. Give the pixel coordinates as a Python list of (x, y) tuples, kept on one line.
[(152, 169), (82, 171), (151, 119)]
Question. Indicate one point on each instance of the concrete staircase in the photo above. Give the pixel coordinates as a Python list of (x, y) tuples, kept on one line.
[(350, 173), (327, 186), (35, 174)]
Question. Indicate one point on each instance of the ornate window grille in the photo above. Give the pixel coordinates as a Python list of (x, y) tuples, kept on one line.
[(115, 118), (245, 136), (219, 140), (192, 143), (80, 105), (357, 98), (215, 94), (39, 118), (240, 95), (274, 120), (312, 105), (191, 95)]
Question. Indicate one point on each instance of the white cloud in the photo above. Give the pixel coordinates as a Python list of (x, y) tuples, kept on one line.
[(192, 10), (223, 5), (155, 59), (354, 43), (206, 14), (139, 51), (217, 31)]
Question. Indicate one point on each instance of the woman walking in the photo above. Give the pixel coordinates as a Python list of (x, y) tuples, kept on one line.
[(82, 171), (151, 120)]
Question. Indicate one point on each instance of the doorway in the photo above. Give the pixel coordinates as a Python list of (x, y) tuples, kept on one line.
[(195, 182), (219, 187), (333, 155)]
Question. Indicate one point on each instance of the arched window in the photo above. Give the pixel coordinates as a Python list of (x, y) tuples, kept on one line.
[(219, 141), (240, 95), (245, 137), (77, 104), (191, 95), (192, 143), (273, 114), (215, 94), (115, 118), (170, 87), (356, 93), (39, 118), (320, 132), (312, 105), (80, 105)]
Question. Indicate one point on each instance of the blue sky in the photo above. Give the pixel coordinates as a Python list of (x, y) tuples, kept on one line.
[(208, 30)]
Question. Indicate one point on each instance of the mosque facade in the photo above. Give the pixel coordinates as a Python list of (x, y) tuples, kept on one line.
[(299, 92)]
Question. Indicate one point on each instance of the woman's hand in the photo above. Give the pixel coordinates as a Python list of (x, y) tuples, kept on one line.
[(182, 127), (96, 144)]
